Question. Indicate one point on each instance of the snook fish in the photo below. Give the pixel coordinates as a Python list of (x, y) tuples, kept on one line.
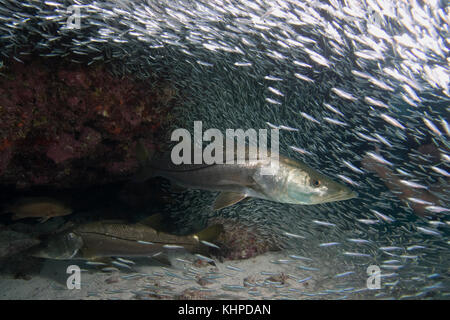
[(101, 239), (38, 207), (293, 182)]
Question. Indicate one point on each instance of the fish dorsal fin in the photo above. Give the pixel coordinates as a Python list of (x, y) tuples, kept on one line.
[(226, 199), (154, 221), (211, 233)]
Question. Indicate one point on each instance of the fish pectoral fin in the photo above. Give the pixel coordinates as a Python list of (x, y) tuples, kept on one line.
[(226, 199), (211, 233)]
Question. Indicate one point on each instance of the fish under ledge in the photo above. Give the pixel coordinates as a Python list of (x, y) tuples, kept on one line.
[(110, 238)]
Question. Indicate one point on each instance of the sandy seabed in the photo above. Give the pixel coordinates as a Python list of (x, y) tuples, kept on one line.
[(255, 278)]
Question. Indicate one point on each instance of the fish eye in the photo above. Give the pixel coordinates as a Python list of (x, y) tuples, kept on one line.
[(316, 183)]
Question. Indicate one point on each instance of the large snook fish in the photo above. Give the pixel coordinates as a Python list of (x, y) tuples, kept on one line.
[(293, 182), (105, 239)]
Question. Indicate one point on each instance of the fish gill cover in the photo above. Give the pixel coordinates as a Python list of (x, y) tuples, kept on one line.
[(358, 89)]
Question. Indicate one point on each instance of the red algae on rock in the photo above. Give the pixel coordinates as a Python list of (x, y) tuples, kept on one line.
[(66, 147), (64, 125), (239, 241)]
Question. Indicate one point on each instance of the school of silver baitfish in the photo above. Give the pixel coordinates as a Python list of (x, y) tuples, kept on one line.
[(344, 81)]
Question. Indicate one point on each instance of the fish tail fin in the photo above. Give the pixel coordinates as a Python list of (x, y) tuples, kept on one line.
[(210, 233), (144, 157)]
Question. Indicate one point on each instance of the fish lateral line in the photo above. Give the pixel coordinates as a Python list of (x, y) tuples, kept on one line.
[(130, 240)]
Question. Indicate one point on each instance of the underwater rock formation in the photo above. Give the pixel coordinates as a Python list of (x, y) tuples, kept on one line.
[(65, 125), (239, 241), (338, 78)]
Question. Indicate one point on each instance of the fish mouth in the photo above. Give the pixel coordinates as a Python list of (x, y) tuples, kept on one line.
[(341, 196)]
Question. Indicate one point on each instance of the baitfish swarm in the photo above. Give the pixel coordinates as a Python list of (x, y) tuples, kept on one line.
[(358, 89)]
